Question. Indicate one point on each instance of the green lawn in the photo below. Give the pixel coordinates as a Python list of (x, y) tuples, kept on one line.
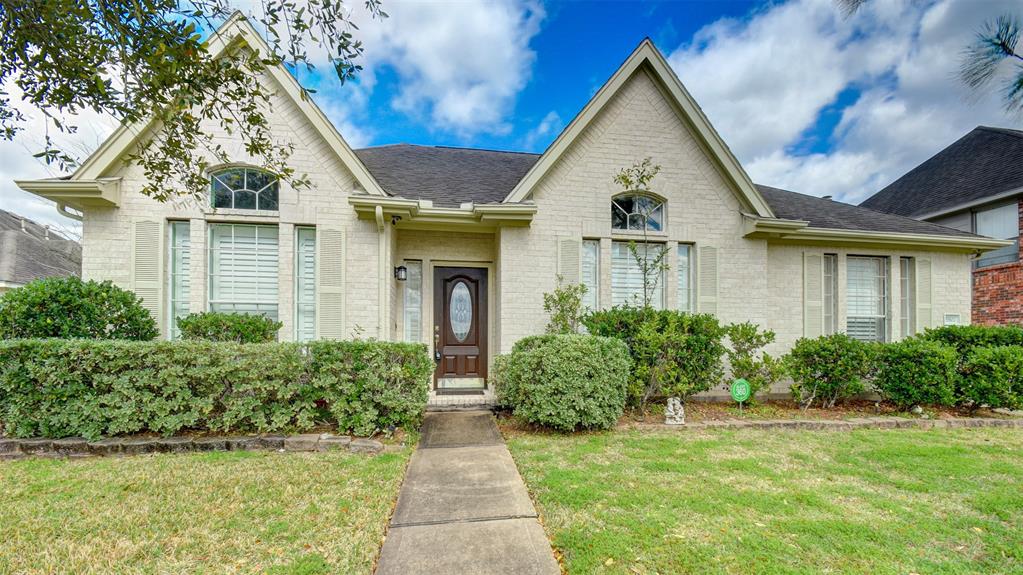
[(234, 512), (873, 501)]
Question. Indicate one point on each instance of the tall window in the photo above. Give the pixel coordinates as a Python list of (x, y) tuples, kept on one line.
[(178, 278), (907, 296), (591, 273), (867, 297), (627, 276), (830, 294), (305, 284), (1001, 223), (637, 212), (414, 301), (244, 189), (685, 277), (243, 269)]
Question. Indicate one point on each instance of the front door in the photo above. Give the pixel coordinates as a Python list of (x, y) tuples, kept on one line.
[(460, 327)]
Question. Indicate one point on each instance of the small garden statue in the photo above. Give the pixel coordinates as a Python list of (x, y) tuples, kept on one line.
[(675, 414)]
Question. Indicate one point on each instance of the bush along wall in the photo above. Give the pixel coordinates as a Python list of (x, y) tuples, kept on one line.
[(236, 327), (66, 388), (917, 372)]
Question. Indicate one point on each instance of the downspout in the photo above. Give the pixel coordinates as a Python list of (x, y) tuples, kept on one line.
[(382, 273), (62, 210)]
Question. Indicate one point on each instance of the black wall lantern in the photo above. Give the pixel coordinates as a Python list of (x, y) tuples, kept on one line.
[(401, 273)]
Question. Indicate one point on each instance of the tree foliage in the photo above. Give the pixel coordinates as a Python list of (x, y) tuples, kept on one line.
[(151, 59), (565, 306), (996, 46)]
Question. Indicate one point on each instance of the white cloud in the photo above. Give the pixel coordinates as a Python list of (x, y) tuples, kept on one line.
[(764, 82), (549, 126)]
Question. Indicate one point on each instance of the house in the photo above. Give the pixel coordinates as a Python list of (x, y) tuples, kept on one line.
[(30, 251), (974, 185), (455, 247)]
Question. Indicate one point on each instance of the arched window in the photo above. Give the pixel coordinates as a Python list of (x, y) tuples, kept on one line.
[(244, 189), (637, 212)]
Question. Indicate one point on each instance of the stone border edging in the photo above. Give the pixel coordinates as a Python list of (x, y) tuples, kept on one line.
[(841, 424), (11, 448)]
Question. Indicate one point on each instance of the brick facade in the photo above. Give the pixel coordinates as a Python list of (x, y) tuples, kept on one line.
[(998, 291)]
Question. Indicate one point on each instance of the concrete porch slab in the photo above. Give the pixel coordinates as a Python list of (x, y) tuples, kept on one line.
[(459, 429), (509, 546), (459, 484)]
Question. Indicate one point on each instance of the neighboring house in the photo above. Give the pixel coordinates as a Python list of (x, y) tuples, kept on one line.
[(29, 251), (974, 185), (455, 247)]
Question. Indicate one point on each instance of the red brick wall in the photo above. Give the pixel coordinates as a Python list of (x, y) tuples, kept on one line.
[(998, 291)]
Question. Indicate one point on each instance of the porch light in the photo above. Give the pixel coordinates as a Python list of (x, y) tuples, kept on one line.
[(401, 273)]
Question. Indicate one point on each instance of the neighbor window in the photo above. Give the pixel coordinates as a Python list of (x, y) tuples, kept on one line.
[(243, 269), (591, 273), (684, 266), (244, 189), (867, 298), (305, 284), (627, 275), (178, 278), (637, 212), (830, 294), (414, 301), (907, 296), (1001, 223)]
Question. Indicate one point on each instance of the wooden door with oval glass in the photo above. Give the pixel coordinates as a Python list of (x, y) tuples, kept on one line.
[(460, 328)]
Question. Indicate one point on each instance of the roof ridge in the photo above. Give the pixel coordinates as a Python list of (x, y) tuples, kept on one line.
[(1007, 131), (445, 147)]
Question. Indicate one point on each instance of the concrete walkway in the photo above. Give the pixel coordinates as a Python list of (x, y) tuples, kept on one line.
[(463, 507)]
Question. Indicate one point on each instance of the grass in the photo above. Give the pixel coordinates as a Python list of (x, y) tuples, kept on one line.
[(233, 512), (870, 501)]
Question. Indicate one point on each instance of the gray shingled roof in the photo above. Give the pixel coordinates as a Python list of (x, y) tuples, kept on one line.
[(26, 254), (447, 176), (825, 213), (983, 163)]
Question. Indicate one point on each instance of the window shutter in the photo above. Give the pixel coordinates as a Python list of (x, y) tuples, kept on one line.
[(813, 295), (146, 272), (330, 261), (708, 281), (924, 296), (568, 260)]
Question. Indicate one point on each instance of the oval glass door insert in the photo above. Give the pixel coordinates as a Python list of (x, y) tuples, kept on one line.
[(460, 310)]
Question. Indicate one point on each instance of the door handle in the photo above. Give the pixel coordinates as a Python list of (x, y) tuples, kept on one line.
[(436, 343)]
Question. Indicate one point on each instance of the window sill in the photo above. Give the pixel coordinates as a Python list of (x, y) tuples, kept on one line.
[(226, 214), (624, 235)]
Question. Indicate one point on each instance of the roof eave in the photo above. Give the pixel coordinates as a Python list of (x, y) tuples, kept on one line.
[(422, 214), (969, 244), (78, 194)]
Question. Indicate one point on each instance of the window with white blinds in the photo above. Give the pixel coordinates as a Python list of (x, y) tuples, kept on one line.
[(627, 275), (414, 301), (243, 273), (305, 284), (867, 297), (591, 273), (179, 282), (830, 294), (684, 266), (907, 296)]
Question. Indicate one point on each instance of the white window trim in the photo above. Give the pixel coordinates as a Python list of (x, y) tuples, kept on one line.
[(171, 276), (298, 303)]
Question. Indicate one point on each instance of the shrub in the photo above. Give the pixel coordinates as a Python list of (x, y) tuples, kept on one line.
[(993, 376), (565, 382), (236, 327), (565, 307), (673, 353), (827, 369), (917, 372), (71, 308), (748, 362), (59, 388), (966, 338)]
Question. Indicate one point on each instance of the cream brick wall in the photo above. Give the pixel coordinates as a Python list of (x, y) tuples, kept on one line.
[(107, 245)]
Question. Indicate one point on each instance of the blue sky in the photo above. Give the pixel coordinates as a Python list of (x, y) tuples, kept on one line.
[(807, 99)]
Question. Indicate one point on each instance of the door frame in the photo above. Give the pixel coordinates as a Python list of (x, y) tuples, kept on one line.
[(428, 295)]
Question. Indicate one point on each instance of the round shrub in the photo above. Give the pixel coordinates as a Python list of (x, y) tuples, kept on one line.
[(993, 376), (917, 372), (565, 382), (828, 369), (237, 327), (72, 308)]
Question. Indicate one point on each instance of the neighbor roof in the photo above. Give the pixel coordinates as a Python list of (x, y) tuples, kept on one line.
[(446, 176), (29, 252), (987, 162), (829, 214)]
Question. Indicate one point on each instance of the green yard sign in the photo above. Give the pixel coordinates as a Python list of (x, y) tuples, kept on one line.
[(740, 390)]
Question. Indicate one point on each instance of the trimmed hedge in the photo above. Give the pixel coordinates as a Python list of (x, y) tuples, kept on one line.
[(236, 327), (564, 381), (993, 376), (966, 338), (917, 372), (70, 308), (92, 389), (828, 369)]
